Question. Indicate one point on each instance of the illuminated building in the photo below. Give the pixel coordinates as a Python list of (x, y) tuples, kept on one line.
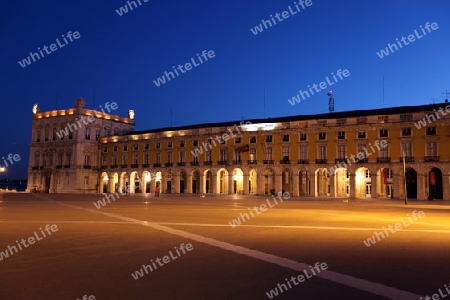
[(335, 154)]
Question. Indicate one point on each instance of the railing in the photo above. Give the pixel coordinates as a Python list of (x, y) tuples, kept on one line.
[(407, 159), (431, 158), (222, 162), (156, 165), (383, 159), (194, 163), (303, 161), (252, 162), (268, 161), (321, 161), (168, 164), (181, 164), (285, 161)]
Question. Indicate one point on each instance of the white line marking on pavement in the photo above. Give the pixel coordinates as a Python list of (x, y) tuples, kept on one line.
[(66, 222), (304, 227), (361, 284)]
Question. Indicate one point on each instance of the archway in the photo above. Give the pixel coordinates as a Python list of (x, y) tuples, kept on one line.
[(322, 182), (238, 181), (195, 182), (105, 182), (269, 182), (385, 180), (124, 183), (303, 183), (222, 181), (252, 182), (435, 189), (134, 183), (182, 181), (411, 183), (208, 182), (363, 183), (146, 179), (342, 182), (286, 181)]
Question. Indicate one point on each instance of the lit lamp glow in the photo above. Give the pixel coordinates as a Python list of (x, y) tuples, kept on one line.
[(131, 114), (35, 108)]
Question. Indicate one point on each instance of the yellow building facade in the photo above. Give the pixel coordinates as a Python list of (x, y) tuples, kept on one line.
[(382, 153)]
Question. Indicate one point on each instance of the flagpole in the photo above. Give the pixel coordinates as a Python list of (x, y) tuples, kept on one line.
[(404, 175)]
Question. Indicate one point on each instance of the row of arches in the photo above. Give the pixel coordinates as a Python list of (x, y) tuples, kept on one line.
[(362, 182)]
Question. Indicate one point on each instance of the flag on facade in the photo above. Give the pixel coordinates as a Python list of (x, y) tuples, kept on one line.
[(243, 149)]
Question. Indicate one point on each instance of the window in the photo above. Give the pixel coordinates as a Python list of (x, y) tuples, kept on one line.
[(158, 145), (146, 160), (406, 131), (208, 155), (135, 147), (361, 120), (286, 138), (322, 135), (182, 144), (97, 134), (384, 133), (124, 159), (115, 148), (431, 130), (195, 158), (46, 133), (253, 139), (361, 134), (269, 153), (252, 154), (114, 162), (222, 141), (54, 133), (223, 154), (322, 152), (38, 136), (367, 173), (237, 140), (383, 119), (60, 159), (269, 139), (70, 135), (87, 160), (169, 157), (68, 158), (182, 156), (158, 158), (303, 152), (107, 131), (237, 155), (407, 148), (406, 117), (285, 153), (87, 134), (341, 151), (125, 148), (303, 136), (341, 135), (36, 160), (146, 146), (384, 152), (105, 149), (169, 144), (431, 149), (361, 149), (195, 143), (136, 159)]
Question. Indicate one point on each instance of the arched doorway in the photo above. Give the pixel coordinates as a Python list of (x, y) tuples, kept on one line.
[(435, 184), (322, 182), (238, 180), (342, 182), (363, 183), (269, 182), (208, 182), (222, 181), (105, 182), (286, 179), (182, 181), (195, 182), (386, 185), (411, 183)]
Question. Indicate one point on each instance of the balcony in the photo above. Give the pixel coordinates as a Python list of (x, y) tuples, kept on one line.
[(340, 161), (303, 161), (145, 165), (194, 163), (364, 160), (169, 164), (285, 161), (135, 166), (321, 161), (124, 166), (181, 164), (383, 159), (268, 161), (237, 162), (59, 166), (207, 163), (222, 162), (157, 165), (87, 166), (431, 158), (252, 162), (113, 166), (34, 168), (407, 159), (104, 167)]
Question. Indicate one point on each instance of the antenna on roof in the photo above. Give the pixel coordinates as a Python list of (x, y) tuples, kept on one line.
[(446, 93)]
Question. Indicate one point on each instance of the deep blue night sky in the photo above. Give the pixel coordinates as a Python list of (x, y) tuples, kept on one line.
[(122, 55)]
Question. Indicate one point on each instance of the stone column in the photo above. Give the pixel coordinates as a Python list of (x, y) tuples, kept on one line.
[(202, 183), (352, 186), (230, 183), (278, 177), (246, 184), (374, 185), (332, 179), (396, 178), (189, 183), (445, 186), (260, 183), (295, 185)]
